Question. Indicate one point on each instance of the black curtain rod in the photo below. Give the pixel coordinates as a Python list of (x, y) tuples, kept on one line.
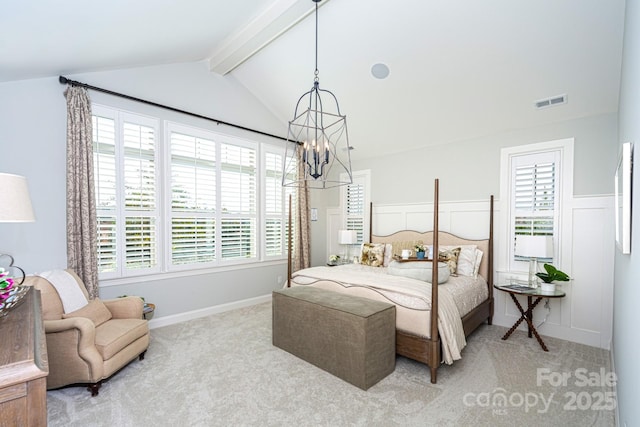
[(65, 80)]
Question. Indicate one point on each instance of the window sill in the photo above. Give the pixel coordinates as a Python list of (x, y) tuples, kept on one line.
[(186, 273)]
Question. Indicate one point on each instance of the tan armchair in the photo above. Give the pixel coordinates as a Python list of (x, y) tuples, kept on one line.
[(79, 351)]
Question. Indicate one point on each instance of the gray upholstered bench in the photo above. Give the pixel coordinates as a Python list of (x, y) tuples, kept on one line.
[(350, 337)]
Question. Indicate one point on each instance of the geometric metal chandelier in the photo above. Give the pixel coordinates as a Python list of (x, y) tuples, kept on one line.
[(317, 147)]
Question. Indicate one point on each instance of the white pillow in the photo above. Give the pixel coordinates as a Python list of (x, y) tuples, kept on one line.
[(476, 267), (466, 259), (388, 254)]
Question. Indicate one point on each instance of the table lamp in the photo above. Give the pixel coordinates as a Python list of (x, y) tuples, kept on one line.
[(347, 237), (534, 247), (15, 203)]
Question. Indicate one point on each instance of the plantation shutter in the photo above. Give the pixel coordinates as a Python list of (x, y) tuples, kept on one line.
[(535, 199), (355, 207), (193, 199), (238, 196), (139, 177), (104, 161), (205, 200), (274, 205)]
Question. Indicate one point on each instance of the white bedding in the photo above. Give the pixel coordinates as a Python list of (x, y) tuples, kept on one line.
[(412, 298)]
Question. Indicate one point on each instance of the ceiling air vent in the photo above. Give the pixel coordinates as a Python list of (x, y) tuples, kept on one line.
[(550, 102)]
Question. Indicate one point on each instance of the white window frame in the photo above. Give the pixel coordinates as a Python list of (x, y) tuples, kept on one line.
[(563, 150), (258, 215), (163, 129), (284, 216), (119, 117), (198, 133)]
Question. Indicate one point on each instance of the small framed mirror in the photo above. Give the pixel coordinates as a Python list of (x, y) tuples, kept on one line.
[(622, 199)]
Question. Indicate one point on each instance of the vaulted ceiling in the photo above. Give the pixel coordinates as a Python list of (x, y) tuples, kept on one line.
[(459, 69)]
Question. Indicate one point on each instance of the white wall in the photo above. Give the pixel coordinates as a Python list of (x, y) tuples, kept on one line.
[(33, 144), (626, 345), (470, 170)]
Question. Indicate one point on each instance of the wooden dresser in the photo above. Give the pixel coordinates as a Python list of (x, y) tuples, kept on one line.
[(23, 365)]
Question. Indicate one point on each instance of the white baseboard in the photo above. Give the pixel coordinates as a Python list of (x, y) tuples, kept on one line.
[(590, 338), (615, 387), (203, 312)]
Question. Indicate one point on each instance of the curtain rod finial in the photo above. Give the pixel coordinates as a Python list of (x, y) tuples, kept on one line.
[(63, 80)]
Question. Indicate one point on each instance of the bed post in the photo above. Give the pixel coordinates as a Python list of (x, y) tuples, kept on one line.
[(490, 273), (370, 220), (289, 238), (434, 341)]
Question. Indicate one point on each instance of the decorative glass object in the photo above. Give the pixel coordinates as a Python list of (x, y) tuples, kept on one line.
[(11, 293), (14, 298)]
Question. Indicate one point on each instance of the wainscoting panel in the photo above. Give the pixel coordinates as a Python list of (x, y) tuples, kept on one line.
[(467, 219), (592, 267), (584, 315), (385, 223), (469, 223), (419, 220)]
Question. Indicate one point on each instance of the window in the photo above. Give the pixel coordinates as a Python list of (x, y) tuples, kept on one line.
[(238, 201), (536, 176), (206, 207), (274, 205), (355, 199), (193, 198), (534, 198), (125, 150)]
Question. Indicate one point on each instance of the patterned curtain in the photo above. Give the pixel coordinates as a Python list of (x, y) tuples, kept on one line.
[(82, 232), (302, 226)]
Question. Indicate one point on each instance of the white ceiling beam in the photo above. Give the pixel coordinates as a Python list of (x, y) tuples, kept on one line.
[(274, 21)]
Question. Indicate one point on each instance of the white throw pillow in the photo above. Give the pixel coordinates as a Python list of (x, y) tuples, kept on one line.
[(388, 254), (476, 267), (466, 259)]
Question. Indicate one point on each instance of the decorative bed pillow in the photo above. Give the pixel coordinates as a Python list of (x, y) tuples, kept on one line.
[(450, 257), (476, 266), (388, 254), (372, 254), (95, 310), (466, 259), (419, 270)]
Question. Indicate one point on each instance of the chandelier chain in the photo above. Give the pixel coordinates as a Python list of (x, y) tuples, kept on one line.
[(316, 72)]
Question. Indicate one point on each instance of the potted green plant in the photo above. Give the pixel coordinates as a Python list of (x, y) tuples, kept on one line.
[(552, 275), (420, 250)]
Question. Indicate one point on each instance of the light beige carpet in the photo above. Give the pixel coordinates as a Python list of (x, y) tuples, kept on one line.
[(223, 371)]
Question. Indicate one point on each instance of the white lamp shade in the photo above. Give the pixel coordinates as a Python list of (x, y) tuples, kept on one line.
[(534, 246), (15, 203), (347, 237)]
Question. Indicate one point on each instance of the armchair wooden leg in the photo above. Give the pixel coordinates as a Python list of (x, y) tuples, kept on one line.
[(94, 388), (141, 357)]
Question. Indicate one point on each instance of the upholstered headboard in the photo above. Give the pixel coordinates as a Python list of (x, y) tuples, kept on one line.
[(445, 239)]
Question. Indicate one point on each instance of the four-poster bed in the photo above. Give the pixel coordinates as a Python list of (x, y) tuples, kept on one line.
[(431, 321)]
